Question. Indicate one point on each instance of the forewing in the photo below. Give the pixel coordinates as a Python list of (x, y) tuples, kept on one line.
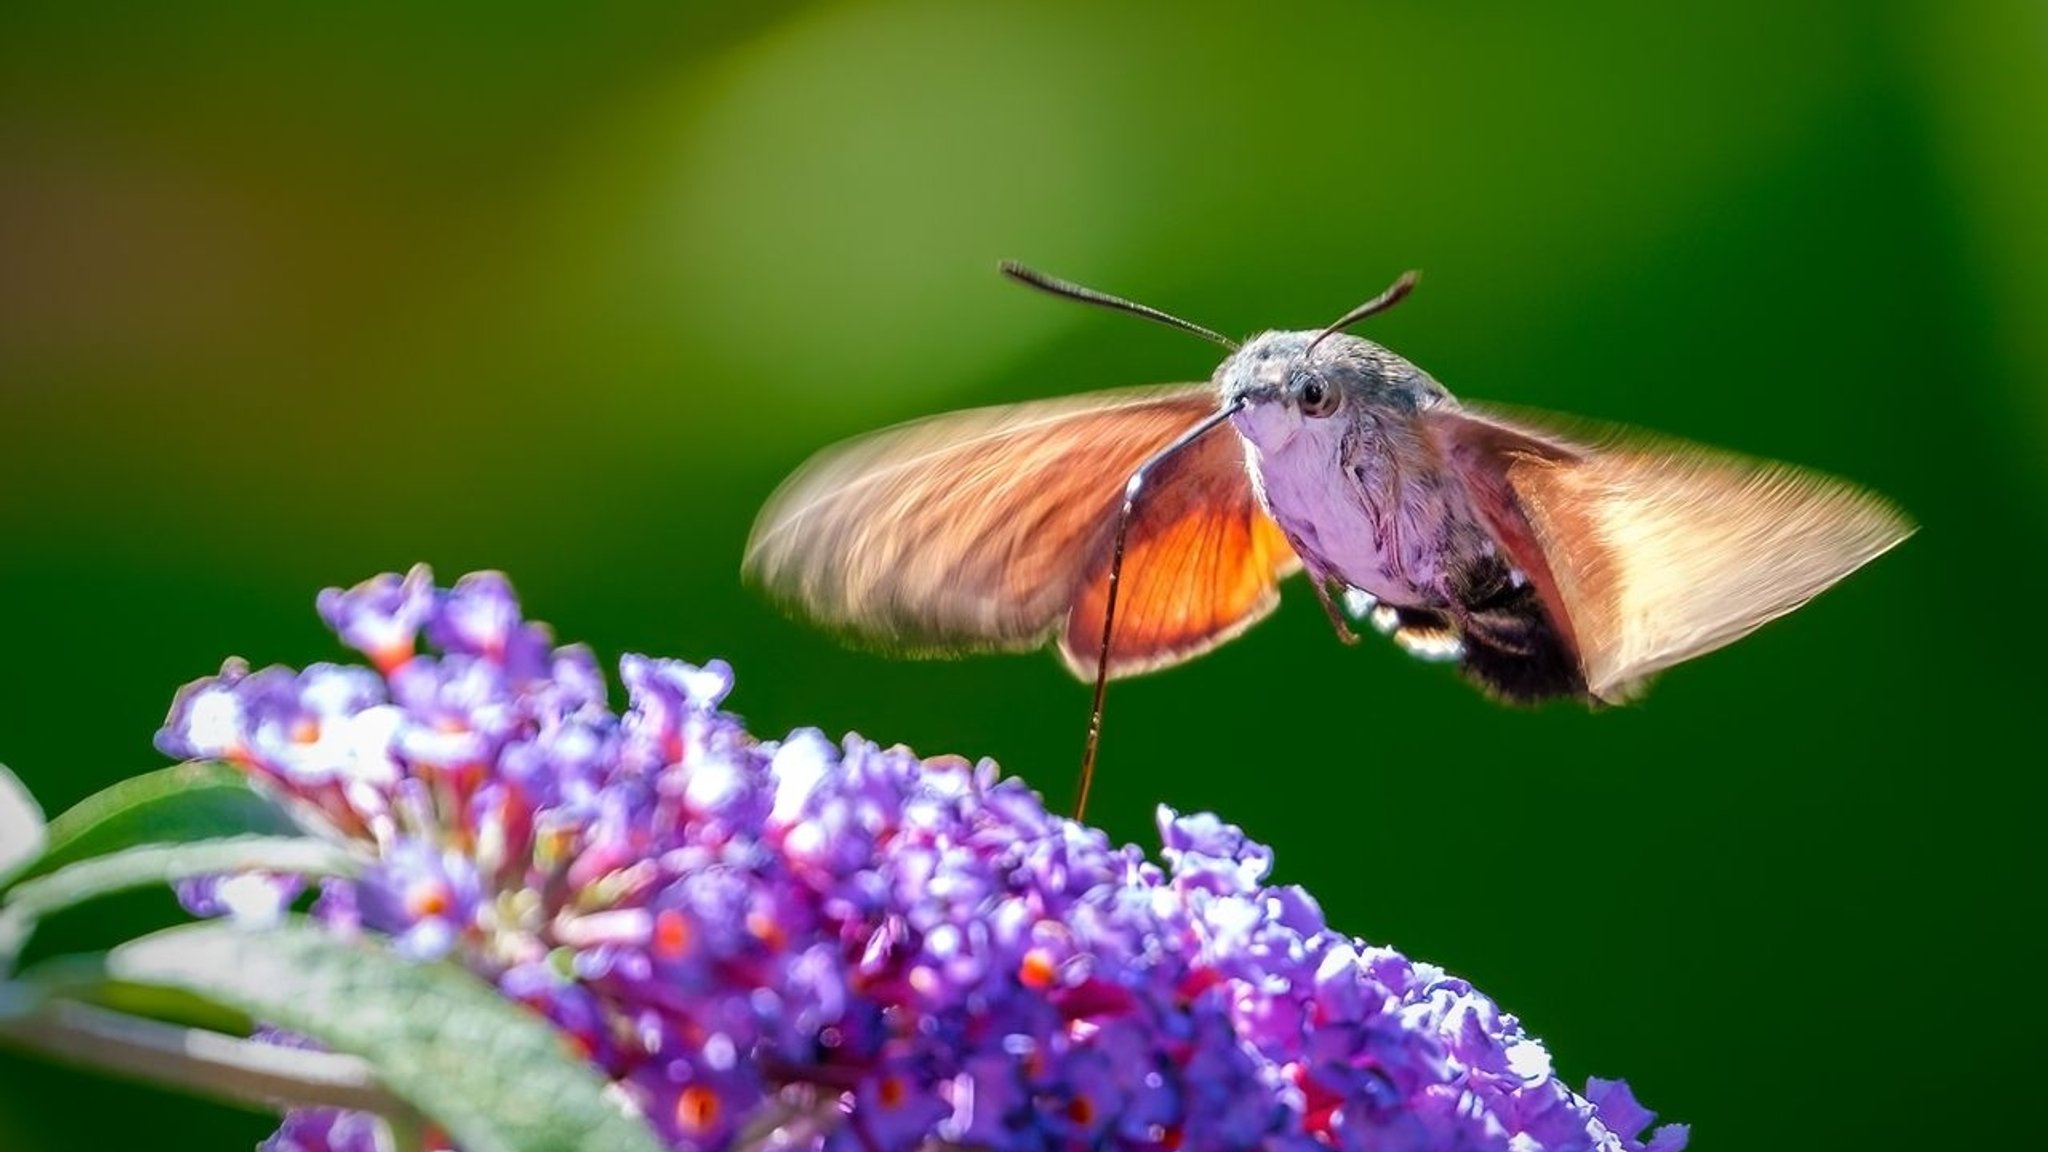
[(1202, 562), (1652, 550), (977, 530)]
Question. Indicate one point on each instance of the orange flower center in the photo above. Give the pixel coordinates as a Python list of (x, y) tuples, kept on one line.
[(671, 934), (428, 898), (1037, 970), (696, 1108)]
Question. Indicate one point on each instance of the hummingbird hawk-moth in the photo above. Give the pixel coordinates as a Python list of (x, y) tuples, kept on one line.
[(1547, 556)]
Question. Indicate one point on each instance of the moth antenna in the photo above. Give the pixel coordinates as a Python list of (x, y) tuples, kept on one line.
[(1379, 303), (1133, 488), (1072, 291)]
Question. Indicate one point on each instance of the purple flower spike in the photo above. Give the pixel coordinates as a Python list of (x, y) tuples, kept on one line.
[(818, 944)]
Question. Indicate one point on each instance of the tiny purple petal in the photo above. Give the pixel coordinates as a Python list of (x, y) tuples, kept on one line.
[(480, 617), (893, 1112), (207, 716), (423, 897), (1617, 1106), (1203, 850), (382, 616), (251, 899), (325, 1130)]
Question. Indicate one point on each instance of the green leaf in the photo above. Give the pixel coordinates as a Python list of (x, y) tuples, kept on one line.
[(496, 1076), (22, 835), (18, 999), (83, 978), (22, 832), (153, 864), (199, 800)]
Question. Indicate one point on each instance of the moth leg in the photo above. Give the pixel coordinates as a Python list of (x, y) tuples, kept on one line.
[(1336, 615)]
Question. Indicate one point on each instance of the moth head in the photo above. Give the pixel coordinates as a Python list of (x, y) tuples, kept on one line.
[(1283, 385), (1279, 385), (1286, 385)]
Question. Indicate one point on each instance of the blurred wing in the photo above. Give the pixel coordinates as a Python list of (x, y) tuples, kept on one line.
[(1649, 550), (980, 530), (1202, 562)]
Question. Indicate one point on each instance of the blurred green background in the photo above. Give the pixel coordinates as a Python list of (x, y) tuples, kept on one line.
[(289, 297)]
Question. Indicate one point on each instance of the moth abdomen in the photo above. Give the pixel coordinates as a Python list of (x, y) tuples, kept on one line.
[(1512, 647)]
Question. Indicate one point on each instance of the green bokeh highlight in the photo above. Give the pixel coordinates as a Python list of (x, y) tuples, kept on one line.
[(291, 298)]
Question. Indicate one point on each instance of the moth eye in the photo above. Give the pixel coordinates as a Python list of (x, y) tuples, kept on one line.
[(1317, 398)]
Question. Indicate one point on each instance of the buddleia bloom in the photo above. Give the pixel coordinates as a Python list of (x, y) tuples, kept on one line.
[(807, 943)]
